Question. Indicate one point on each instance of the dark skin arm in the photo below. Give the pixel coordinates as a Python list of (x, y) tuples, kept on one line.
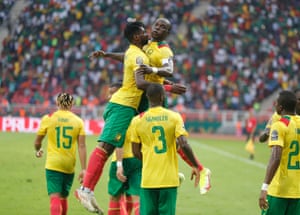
[(142, 84), (112, 55), (183, 144), (165, 71), (264, 136), (38, 145), (187, 150), (82, 156), (168, 82), (271, 170), (136, 149)]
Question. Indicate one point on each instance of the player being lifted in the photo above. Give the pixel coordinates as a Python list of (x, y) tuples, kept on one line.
[(117, 115), (161, 65)]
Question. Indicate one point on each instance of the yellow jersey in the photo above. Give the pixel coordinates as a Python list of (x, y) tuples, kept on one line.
[(129, 94), (62, 129), (274, 118), (159, 53), (157, 130), (286, 133)]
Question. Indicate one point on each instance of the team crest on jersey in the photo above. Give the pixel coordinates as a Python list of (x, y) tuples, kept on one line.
[(149, 51), (118, 137), (139, 61), (274, 135)]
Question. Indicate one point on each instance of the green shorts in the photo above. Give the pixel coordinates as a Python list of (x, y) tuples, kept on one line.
[(160, 201), (117, 119), (59, 182), (132, 170), (282, 206)]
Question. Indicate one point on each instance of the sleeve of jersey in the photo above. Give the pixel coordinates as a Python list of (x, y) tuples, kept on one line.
[(167, 56), (166, 52), (180, 128), (140, 58), (43, 125), (274, 118), (277, 134)]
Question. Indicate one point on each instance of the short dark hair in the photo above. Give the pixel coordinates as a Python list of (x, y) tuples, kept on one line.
[(131, 29), (154, 92), (287, 99)]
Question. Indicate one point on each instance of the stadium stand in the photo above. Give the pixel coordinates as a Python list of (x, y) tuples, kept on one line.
[(5, 7), (232, 58)]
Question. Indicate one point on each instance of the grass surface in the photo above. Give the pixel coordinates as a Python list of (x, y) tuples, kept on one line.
[(235, 189)]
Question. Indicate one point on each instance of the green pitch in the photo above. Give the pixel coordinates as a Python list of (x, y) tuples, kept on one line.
[(236, 180)]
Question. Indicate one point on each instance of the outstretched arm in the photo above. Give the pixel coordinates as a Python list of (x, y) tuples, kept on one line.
[(112, 55)]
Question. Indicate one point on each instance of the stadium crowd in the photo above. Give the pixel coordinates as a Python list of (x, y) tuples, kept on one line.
[(5, 7), (232, 57)]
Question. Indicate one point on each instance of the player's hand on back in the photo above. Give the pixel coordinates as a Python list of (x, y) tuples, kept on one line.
[(178, 89), (145, 69)]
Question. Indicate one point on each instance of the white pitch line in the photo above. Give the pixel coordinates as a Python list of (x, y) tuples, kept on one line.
[(229, 155)]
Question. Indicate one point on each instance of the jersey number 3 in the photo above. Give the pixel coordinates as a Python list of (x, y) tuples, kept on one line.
[(161, 138)]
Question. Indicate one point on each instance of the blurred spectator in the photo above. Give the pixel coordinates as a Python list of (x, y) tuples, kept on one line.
[(5, 7)]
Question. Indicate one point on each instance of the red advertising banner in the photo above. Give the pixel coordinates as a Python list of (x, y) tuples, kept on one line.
[(31, 125)]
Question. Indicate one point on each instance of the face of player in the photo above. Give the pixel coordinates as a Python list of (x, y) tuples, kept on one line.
[(143, 37), (160, 30)]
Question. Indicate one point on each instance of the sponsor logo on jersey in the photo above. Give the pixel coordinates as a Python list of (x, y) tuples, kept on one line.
[(274, 135), (139, 61)]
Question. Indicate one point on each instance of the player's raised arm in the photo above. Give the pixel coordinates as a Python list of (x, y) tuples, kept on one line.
[(112, 55)]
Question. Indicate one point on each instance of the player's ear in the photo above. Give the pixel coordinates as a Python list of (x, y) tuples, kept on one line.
[(279, 109)]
